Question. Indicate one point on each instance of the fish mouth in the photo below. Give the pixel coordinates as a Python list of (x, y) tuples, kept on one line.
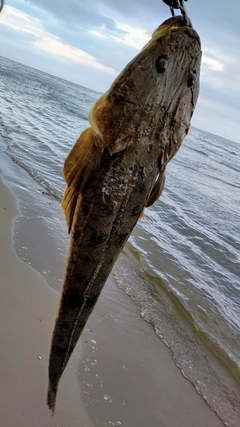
[(177, 22), (172, 24)]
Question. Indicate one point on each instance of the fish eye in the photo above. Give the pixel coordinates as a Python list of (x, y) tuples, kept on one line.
[(161, 64)]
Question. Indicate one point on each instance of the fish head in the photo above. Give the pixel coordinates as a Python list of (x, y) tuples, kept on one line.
[(154, 97)]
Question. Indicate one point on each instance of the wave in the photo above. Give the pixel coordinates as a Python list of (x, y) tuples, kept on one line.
[(194, 350), (187, 245), (37, 177)]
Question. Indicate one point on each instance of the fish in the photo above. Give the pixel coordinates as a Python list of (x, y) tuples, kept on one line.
[(117, 167)]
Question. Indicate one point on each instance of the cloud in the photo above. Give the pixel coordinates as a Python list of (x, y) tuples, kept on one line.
[(217, 118), (57, 48), (220, 71), (104, 35), (20, 21), (47, 42), (133, 36), (76, 12), (211, 61)]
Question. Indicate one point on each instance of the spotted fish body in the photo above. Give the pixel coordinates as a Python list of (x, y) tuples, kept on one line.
[(117, 167)]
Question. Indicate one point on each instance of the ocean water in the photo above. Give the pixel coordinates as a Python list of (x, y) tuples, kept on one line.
[(187, 246)]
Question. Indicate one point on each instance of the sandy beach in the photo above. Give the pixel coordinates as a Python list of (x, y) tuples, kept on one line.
[(120, 374)]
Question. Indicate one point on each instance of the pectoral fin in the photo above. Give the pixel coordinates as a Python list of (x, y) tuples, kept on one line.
[(157, 189), (80, 164)]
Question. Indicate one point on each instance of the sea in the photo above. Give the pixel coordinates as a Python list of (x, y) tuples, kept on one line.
[(187, 248)]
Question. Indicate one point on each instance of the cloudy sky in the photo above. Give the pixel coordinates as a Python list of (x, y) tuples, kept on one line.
[(90, 41)]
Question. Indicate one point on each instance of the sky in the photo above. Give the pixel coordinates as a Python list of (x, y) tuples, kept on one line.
[(90, 42)]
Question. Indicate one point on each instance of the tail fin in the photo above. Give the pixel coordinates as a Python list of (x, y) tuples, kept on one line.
[(51, 399)]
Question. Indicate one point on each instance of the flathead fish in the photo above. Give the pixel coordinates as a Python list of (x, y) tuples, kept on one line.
[(117, 167)]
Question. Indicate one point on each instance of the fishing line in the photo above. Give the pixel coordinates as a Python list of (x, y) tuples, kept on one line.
[(176, 4)]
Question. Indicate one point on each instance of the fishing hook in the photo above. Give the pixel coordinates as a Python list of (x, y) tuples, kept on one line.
[(176, 4), (1, 5)]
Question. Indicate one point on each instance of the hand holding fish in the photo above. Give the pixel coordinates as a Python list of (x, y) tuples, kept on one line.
[(117, 167)]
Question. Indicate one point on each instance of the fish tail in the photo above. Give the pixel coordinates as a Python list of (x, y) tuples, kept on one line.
[(51, 398), (79, 167)]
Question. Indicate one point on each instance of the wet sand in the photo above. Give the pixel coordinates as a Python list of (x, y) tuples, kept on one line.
[(120, 374), (27, 310)]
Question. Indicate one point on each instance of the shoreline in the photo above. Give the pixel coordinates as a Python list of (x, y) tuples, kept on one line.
[(26, 316), (141, 385)]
